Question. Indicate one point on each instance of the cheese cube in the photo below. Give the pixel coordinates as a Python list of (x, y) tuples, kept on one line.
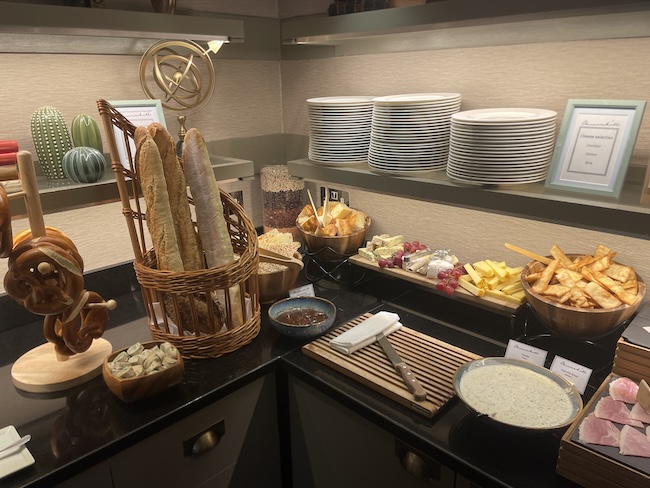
[(467, 285), (366, 253), (386, 252), (392, 241), (497, 268), (476, 278), (483, 269)]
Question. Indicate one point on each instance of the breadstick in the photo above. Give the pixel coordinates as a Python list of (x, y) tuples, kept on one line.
[(177, 190), (159, 215), (213, 229), (529, 254)]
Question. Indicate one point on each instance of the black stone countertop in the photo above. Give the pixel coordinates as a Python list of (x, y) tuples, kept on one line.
[(80, 427)]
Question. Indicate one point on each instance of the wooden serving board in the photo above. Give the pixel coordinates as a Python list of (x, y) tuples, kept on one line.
[(460, 293), (39, 370), (595, 466), (432, 361)]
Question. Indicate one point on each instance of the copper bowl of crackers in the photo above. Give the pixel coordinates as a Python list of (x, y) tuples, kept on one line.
[(582, 296)]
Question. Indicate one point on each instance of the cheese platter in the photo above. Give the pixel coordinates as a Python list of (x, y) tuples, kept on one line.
[(460, 293)]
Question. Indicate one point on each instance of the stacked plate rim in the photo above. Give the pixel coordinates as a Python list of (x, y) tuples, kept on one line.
[(339, 129), (501, 146), (410, 132)]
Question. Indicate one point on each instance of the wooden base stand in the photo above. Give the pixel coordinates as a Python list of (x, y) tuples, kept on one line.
[(39, 370)]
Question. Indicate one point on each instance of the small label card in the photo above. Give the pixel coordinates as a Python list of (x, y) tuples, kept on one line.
[(576, 373), (302, 291), (519, 350)]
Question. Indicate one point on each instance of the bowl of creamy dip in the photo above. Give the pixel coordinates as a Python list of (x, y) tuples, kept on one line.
[(517, 393), (302, 317)]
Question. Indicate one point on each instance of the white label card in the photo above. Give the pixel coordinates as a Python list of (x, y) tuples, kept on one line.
[(576, 373), (525, 352), (303, 291)]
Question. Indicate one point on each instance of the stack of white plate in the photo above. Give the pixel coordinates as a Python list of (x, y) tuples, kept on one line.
[(501, 146), (339, 129), (410, 133)]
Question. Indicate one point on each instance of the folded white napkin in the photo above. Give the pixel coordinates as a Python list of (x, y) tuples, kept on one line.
[(364, 333)]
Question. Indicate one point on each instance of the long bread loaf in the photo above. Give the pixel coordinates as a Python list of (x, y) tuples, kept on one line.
[(213, 229), (159, 214), (177, 190)]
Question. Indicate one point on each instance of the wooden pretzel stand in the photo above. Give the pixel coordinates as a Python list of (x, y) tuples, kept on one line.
[(46, 277)]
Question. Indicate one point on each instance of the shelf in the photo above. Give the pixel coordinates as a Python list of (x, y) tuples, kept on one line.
[(46, 28), (57, 195), (625, 216), (463, 23)]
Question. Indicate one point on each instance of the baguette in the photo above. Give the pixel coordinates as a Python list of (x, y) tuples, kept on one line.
[(177, 190), (213, 230), (159, 215)]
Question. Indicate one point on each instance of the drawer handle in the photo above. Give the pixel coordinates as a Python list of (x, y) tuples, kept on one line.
[(204, 441), (418, 467)]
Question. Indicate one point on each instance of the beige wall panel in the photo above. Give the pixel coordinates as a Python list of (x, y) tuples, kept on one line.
[(534, 75), (246, 101)]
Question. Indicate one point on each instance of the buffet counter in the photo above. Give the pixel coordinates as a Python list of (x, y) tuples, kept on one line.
[(83, 428)]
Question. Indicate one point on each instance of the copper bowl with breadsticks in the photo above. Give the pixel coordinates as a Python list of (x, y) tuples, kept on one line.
[(335, 234), (582, 296)]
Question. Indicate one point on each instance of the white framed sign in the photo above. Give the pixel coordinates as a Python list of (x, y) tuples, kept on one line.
[(594, 146), (138, 112)]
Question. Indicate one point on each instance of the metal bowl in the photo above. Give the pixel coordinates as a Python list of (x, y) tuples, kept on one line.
[(574, 322), (297, 304), (336, 248), (517, 400)]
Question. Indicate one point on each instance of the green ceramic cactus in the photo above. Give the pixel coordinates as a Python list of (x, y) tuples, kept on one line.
[(85, 132), (51, 140), (84, 164)]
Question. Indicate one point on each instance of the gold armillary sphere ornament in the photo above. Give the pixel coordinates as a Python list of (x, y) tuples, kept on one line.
[(180, 74)]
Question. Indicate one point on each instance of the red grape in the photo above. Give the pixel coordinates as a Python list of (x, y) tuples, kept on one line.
[(415, 245), (407, 246), (440, 286), (453, 283), (422, 247), (399, 254), (398, 261), (382, 263), (390, 263), (449, 290), (442, 275)]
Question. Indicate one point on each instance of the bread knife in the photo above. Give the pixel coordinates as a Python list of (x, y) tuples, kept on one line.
[(402, 368)]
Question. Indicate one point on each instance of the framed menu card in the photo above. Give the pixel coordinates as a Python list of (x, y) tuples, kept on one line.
[(594, 146)]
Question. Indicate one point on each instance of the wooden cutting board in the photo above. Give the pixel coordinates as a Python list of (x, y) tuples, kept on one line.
[(432, 361)]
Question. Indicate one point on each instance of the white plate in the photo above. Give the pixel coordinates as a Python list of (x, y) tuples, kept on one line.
[(340, 100), (410, 98), (17, 461), (397, 172), (349, 162), (502, 116)]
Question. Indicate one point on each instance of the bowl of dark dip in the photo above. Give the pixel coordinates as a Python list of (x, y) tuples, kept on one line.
[(302, 317)]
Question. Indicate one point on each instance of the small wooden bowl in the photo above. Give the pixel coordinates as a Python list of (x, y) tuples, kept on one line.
[(141, 387), (276, 285), (574, 322)]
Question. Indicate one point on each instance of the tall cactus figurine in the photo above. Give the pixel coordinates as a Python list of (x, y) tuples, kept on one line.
[(51, 140), (85, 132)]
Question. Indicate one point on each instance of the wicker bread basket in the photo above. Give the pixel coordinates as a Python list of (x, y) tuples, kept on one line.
[(180, 305)]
